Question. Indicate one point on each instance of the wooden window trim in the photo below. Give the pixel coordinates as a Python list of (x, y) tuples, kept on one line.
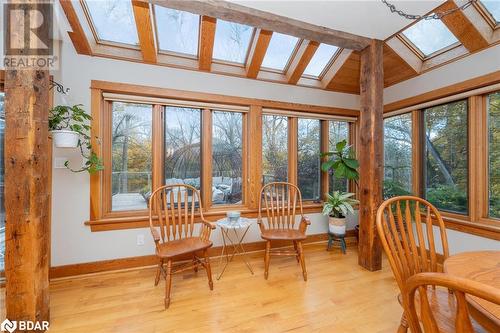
[(101, 216)]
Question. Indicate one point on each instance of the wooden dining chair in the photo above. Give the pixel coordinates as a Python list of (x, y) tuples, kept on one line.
[(405, 229), (282, 202), (173, 208), (421, 312)]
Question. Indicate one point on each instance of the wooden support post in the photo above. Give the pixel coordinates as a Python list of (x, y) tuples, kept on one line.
[(27, 204), (371, 155)]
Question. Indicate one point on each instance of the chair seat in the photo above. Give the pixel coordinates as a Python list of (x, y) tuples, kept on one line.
[(444, 308), (283, 234), (182, 246)]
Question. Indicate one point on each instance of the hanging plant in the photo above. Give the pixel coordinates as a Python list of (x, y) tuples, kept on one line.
[(70, 128)]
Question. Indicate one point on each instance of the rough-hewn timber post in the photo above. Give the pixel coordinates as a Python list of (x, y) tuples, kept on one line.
[(371, 153)]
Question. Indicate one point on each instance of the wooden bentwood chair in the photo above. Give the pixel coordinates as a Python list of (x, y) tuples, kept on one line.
[(412, 250), (461, 289), (281, 201), (174, 208)]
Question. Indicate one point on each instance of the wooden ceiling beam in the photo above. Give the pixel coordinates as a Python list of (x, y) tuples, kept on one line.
[(77, 36), (207, 38), (142, 15), (462, 27), (260, 19), (257, 52), (301, 60)]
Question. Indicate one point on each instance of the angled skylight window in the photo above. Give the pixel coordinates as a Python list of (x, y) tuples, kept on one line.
[(177, 30), (113, 21), (493, 7), (232, 41), (320, 59), (279, 51), (430, 36)]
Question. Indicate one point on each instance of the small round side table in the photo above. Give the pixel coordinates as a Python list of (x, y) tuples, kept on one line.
[(231, 238), (336, 238)]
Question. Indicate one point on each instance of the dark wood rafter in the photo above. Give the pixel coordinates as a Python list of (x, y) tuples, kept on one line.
[(257, 52), (260, 19), (462, 27), (142, 15), (77, 36), (371, 154), (301, 60), (207, 38)]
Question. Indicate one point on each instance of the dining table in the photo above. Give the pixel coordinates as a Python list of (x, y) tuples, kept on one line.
[(483, 267)]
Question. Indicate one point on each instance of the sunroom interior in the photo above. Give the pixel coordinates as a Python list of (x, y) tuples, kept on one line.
[(217, 139)]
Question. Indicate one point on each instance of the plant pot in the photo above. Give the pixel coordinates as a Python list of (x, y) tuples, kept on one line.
[(65, 138), (337, 225)]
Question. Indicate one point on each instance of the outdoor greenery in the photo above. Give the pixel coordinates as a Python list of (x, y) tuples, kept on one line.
[(308, 158), (74, 118), (494, 153), (339, 204), (274, 148)]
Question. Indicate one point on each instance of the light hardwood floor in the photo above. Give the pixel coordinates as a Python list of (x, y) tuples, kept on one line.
[(339, 296)]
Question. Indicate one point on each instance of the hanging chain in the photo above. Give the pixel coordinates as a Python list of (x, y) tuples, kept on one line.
[(433, 16)]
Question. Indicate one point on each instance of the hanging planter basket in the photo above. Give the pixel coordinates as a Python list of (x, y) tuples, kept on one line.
[(65, 138)]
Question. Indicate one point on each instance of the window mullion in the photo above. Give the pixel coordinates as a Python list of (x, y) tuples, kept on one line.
[(292, 149), (206, 158), (158, 146), (417, 152), (324, 139)]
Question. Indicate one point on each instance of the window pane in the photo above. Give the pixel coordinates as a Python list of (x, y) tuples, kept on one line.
[(494, 152), (430, 36), (2, 172), (232, 41), (182, 146), (493, 6), (113, 20), (446, 156), (177, 30), (338, 131), (398, 156), (227, 143), (279, 51), (274, 149), (131, 155), (320, 60), (308, 160)]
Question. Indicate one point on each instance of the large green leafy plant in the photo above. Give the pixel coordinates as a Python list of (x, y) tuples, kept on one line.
[(339, 204), (74, 118), (342, 162)]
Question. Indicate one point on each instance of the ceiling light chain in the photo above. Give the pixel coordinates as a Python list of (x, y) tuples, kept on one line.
[(432, 16)]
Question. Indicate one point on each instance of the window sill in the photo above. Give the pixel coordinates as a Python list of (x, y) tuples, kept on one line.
[(487, 228), (134, 222)]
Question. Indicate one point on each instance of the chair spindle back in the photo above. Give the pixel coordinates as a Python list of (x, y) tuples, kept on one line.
[(405, 229), (282, 202)]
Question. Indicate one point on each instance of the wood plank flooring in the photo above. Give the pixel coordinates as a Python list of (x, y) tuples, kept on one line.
[(339, 296)]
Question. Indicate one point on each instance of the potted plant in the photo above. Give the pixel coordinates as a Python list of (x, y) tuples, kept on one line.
[(337, 206), (70, 128)]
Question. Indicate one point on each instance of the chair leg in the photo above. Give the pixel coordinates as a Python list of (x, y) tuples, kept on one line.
[(195, 264), (168, 283), (267, 259), (296, 250), (208, 269), (158, 272), (302, 260), (403, 325)]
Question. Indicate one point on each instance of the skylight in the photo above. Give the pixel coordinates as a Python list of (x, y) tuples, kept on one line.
[(320, 60), (177, 30), (279, 51), (430, 36), (232, 41), (493, 7), (113, 21)]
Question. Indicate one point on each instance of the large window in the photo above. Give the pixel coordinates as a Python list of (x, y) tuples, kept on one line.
[(494, 154), (131, 155), (446, 156), (308, 158), (274, 149), (227, 162), (337, 131), (398, 155)]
